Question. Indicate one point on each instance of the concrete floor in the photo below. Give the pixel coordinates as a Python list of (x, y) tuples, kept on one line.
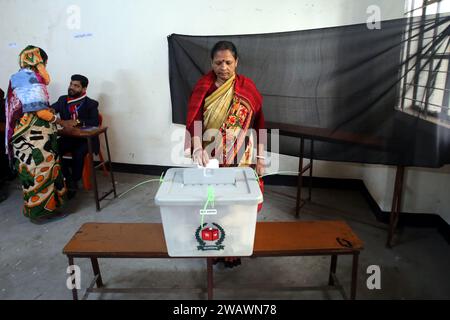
[(32, 265)]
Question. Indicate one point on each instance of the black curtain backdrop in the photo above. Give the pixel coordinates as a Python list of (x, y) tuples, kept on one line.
[(343, 79)]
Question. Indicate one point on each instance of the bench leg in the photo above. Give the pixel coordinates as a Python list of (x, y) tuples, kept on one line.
[(74, 289), (332, 270), (209, 268), (354, 275), (96, 269)]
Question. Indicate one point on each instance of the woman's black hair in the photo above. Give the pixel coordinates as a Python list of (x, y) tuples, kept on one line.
[(224, 45)]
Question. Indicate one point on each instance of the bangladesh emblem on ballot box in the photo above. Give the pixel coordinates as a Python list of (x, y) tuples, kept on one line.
[(210, 237)]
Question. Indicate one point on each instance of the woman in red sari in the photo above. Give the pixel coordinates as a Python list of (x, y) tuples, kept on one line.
[(223, 110)]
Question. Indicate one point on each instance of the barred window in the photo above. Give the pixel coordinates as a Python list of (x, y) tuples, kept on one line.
[(425, 86)]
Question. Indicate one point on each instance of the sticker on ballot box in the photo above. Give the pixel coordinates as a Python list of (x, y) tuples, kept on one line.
[(208, 212)]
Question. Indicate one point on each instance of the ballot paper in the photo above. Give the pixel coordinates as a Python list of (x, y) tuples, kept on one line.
[(212, 163)]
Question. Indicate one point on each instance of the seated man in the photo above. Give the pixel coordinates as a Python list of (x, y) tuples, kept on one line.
[(80, 108)]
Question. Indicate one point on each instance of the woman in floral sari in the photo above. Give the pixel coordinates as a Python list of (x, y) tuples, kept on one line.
[(31, 136), (223, 110)]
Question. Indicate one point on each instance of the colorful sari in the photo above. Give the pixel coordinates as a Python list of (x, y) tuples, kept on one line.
[(31, 140), (230, 111), (36, 161)]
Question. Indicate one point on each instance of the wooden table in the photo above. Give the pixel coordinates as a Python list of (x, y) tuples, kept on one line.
[(342, 137), (272, 239), (89, 134)]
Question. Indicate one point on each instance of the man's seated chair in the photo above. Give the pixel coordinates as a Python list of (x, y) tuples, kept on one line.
[(87, 172)]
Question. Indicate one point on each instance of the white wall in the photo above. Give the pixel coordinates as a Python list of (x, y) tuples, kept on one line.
[(126, 58), (424, 190), (124, 53)]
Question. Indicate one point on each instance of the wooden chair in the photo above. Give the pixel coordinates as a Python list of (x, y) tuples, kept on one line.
[(86, 175)]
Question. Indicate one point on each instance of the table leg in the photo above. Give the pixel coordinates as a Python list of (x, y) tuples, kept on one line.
[(94, 175), (311, 169), (74, 289), (96, 269), (111, 172), (332, 270), (354, 275), (396, 204), (300, 177), (209, 267)]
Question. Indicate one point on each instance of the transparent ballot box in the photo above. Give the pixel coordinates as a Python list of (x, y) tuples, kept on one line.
[(209, 212)]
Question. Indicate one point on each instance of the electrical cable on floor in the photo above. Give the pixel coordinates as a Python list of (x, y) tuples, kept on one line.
[(278, 172), (138, 185), (161, 180)]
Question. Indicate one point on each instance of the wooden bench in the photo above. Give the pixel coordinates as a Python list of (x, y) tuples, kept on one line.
[(272, 239)]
